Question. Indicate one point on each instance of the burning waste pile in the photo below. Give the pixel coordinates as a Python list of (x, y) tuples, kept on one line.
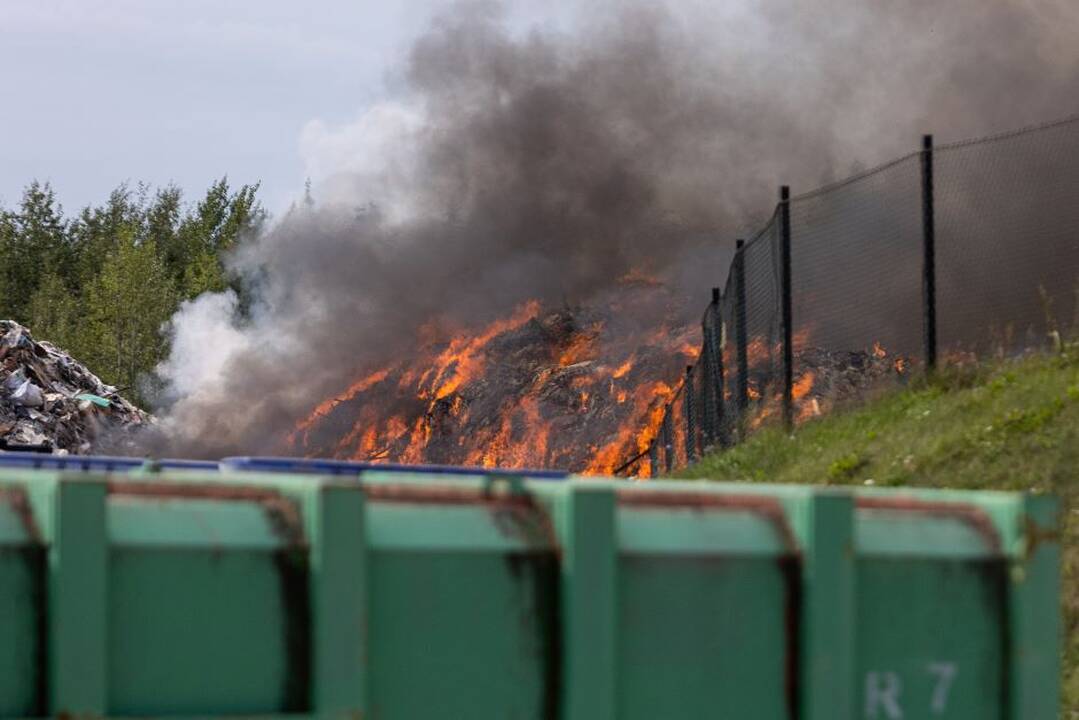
[(828, 378), (48, 400), (569, 387)]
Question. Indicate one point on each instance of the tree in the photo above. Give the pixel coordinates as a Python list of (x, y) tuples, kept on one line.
[(7, 239), (162, 222), (127, 305), (220, 222), (104, 284), (95, 232), (54, 311), (37, 241)]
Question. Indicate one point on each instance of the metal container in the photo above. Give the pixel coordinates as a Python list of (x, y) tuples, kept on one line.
[(394, 595)]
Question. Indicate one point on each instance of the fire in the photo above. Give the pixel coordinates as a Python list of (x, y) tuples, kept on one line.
[(581, 349), (462, 361), (534, 388), (326, 406), (585, 391), (652, 398), (803, 385), (623, 369)]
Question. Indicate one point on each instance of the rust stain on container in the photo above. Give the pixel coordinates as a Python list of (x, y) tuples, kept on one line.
[(291, 562), (791, 569), (771, 509), (283, 513), (446, 495), (19, 502), (36, 559), (515, 514), (972, 515), (1034, 535), (543, 618)]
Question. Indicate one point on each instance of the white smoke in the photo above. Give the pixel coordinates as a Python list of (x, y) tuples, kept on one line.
[(373, 158), (205, 339)]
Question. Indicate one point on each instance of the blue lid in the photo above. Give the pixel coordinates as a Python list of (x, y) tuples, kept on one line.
[(86, 463), (92, 463), (175, 464), (346, 467)]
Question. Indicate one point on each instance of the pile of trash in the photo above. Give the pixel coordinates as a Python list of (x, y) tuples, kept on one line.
[(51, 402)]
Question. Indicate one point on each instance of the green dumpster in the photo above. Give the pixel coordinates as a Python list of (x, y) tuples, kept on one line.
[(187, 594)]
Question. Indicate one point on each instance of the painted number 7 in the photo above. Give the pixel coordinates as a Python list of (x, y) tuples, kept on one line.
[(945, 673), (883, 691)]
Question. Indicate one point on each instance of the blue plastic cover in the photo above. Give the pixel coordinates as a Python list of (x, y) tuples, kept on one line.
[(92, 463), (174, 464), (345, 467), (86, 463)]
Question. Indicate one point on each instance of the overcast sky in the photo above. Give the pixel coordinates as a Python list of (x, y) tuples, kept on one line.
[(96, 92)]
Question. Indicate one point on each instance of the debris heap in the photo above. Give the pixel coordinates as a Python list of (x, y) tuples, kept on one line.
[(825, 378), (48, 400), (572, 387)]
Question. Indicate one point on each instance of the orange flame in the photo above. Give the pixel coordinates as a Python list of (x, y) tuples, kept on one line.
[(429, 404), (461, 362), (324, 408), (802, 387), (649, 398)]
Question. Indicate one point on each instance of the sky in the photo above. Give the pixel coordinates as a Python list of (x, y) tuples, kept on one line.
[(94, 93)]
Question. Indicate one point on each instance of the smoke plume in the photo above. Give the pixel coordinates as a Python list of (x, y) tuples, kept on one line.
[(548, 164)]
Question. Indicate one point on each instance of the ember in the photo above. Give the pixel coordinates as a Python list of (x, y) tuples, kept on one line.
[(828, 378)]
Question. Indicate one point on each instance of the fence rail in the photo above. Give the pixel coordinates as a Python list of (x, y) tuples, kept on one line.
[(954, 251)]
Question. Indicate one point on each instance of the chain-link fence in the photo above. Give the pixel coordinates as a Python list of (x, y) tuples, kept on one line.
[(948, 254)]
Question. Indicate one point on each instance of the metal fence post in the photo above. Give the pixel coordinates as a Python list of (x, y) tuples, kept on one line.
[(691, 425), (714, 337), (741, 399), (788, 323), (929, 262), (706, 404)]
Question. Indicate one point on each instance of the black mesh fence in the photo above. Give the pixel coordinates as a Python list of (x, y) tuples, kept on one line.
[(948, 254), (762, 318), (1007, 223)]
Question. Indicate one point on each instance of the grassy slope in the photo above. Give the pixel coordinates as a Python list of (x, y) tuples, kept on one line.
[(1014, 425)]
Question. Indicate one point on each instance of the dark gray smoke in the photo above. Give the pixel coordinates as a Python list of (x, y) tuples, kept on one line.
[(549, 165)]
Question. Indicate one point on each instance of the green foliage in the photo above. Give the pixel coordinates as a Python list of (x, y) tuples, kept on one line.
[(35, 238), (846, 466), (219, 223), (127, 304), (103, 283), (54, 311), (7, 242)]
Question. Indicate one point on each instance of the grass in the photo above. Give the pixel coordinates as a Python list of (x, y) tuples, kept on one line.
[(1012, 425)]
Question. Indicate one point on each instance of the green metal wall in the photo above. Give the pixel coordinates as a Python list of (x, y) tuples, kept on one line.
[(193, 595)]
